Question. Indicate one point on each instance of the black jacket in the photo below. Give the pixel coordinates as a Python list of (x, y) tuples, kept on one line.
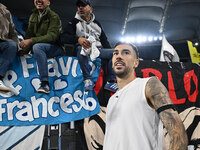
[(77, 27)]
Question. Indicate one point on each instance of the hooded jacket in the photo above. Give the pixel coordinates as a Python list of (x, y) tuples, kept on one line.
[(78, 27), (7, 28)]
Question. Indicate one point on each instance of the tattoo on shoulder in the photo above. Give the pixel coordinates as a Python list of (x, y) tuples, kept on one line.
[(157, 93)]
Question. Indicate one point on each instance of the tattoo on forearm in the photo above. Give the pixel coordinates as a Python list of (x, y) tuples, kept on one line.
[(176, 130)]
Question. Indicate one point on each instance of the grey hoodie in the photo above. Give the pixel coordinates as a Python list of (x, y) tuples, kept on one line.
[(86, 29), (77, 27)]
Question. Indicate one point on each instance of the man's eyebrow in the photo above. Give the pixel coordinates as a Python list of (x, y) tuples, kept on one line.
[(126, 50), (116, 50)]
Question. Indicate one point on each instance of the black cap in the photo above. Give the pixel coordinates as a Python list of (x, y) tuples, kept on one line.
[(83, 3)]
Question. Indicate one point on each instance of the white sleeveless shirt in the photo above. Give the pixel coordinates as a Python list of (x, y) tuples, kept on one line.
[(131, 124)]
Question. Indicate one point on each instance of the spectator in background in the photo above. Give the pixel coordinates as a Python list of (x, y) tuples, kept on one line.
[(86, 32), (8, 44), (42, 36)]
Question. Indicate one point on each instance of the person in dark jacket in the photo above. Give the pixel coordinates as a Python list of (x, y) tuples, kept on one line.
[(86, 32), (42, 36), (8, 44)]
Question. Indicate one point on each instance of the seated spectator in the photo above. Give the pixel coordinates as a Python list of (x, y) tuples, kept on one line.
[(42, 36), (8, 44), (86, 32)]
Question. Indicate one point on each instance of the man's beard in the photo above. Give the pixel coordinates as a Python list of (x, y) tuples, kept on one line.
[(122, 74)]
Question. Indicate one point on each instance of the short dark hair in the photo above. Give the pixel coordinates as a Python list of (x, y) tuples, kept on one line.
[(134, 47)]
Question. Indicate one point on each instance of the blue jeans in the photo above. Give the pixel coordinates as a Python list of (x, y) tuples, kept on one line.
[(8, 50), (104, 54), (43, 51)]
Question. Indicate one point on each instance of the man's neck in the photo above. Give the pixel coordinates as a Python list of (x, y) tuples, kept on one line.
[(122, 82), (41, 11), (87, 18)]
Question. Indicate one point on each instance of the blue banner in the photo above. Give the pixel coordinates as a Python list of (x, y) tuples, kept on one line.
[(66, 101)]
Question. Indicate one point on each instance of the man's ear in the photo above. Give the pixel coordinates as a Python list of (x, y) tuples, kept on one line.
[(136, 63), (48, 2), (91, 9)]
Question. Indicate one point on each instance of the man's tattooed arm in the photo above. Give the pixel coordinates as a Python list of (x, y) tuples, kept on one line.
[(158, 96)]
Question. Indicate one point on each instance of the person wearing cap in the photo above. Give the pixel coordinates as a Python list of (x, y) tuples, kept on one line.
[(85, 32), (134, 112), (42, 38), (8, 44)]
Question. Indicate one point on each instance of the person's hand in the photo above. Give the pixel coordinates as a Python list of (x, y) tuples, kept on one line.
[(84, 43), (25, 43), (22, 52)]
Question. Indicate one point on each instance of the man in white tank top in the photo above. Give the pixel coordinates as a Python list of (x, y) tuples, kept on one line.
[(134, 111)]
